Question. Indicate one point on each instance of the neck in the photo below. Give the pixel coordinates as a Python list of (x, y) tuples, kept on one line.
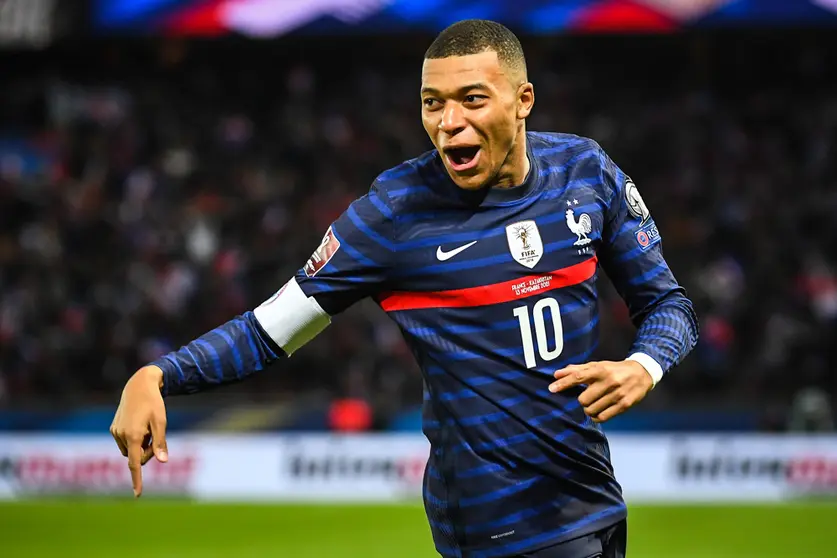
[(515, 168)]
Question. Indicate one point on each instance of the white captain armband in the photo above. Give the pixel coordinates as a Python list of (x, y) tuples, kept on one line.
[(291, 318)]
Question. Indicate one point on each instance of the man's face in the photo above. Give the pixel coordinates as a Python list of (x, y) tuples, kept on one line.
[(473, 111)]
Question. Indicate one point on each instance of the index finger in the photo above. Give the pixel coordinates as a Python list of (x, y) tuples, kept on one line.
[(568, 370), (572, 375), (135, 465)]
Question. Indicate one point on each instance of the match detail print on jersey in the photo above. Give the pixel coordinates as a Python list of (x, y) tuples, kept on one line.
[(496, 293)]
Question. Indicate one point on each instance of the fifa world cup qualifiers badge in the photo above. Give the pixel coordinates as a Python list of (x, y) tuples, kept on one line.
[(322, 254), (636, 205)]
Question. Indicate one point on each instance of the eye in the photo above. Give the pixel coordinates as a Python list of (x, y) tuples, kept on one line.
[(430, 102), (474, 99)]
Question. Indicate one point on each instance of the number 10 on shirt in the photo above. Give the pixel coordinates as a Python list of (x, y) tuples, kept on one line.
[(543, 343)]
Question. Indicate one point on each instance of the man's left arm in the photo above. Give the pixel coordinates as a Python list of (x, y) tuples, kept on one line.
[(667, 329)]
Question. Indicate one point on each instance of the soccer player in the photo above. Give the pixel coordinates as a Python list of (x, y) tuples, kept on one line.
[(485, 251)]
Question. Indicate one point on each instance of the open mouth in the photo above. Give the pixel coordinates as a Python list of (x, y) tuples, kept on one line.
[(462, 158)]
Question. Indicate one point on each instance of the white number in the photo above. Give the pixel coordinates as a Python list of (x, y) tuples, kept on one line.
[(522, 314)]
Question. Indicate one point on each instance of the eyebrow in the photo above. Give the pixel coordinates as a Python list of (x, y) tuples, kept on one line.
[(461, 90)]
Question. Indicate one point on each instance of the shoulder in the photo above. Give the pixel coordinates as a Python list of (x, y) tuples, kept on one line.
[(402, 187), (575, 161), (408, 171), (571, 156), (410, 184), (554, 147)]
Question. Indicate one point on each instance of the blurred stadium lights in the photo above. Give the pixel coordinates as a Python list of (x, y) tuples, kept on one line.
[(27, 23), (264, 18), (37, 23)]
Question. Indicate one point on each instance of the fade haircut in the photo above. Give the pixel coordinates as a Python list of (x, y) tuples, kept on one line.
[(473, 36)]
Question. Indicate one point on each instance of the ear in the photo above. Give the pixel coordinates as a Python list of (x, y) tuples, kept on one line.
[(525, 100)]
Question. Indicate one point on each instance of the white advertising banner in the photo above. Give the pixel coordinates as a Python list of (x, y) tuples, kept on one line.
[(51, 465), (390, 467), (725, 467), (221, 467), (347, 468)]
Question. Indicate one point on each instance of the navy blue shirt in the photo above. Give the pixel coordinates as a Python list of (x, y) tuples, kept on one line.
[(493, 291)]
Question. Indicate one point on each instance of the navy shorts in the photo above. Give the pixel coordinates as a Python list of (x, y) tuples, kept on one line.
[(609, 543)]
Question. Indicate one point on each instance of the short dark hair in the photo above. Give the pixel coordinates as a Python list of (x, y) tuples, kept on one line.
[(473, 36)]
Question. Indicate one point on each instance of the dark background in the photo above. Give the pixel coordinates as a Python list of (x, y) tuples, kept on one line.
[(153, 187)]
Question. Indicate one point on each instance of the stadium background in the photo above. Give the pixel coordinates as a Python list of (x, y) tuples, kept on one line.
[(166, 164)]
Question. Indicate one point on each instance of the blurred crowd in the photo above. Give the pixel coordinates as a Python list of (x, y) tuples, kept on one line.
[(151, 191)]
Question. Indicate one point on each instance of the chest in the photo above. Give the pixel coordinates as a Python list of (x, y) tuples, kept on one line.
[(464, 248)]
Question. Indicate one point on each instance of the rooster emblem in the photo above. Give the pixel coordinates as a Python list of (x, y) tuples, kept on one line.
[(580, 228)]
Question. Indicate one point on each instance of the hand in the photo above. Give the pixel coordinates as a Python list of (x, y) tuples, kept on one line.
[(139, 426), (612, 387)]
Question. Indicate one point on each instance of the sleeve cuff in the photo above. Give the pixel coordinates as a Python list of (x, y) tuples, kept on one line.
[(651, 366)]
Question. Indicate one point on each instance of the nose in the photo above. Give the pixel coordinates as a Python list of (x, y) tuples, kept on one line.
[(453, 119)]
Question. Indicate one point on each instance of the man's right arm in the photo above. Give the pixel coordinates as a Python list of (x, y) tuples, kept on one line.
[(351, 262), (226, 354)]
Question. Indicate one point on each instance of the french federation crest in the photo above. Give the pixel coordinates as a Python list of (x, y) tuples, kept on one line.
[(525, 243), (581, 227)]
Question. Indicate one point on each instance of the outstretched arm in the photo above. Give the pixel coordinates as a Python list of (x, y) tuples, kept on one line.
[(242, 346), (228, 353), (351, 263)]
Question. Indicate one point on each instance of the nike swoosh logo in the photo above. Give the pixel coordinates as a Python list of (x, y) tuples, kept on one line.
[(443, 256)]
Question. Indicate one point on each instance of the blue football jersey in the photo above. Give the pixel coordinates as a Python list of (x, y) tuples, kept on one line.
[(493, 291)]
